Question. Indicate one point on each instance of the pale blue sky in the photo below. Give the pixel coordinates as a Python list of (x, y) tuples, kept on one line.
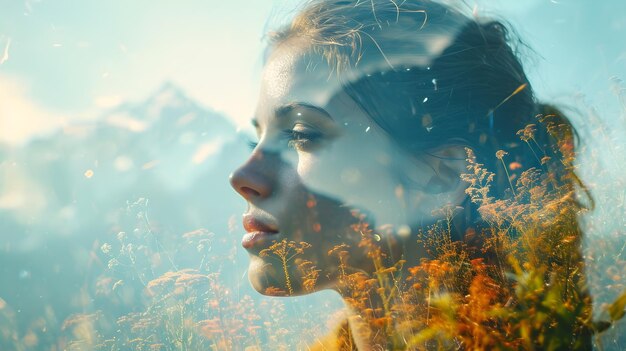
[(68, 60)]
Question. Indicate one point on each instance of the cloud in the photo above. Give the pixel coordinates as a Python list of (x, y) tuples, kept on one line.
[(20, 117)]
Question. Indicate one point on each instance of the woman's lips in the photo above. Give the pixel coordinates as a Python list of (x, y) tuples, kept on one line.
[(259, 231), (252, 239), (253, 223)]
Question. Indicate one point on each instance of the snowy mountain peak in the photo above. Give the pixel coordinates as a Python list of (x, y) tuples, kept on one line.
[(169, 111), (167, 97)]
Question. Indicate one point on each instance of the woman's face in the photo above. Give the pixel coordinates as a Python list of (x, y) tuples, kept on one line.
[(318, 158)]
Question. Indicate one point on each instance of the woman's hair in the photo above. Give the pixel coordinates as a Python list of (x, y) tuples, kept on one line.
[(474, 92), (431, 77)]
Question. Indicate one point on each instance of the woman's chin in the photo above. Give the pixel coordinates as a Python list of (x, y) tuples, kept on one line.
[(266, 278)]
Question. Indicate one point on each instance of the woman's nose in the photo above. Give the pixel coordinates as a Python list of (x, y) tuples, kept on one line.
[(253, 180)]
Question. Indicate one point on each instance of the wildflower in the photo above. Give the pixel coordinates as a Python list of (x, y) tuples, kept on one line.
[(414, 270), (499, 155), (311, 202), (161, 283), (274, 291), (189, 279), (210, 327), (117, 283), (338, 248), (527, 133), (387, 270), (197, 234), (113, 263), (105, 248), (381, 322)]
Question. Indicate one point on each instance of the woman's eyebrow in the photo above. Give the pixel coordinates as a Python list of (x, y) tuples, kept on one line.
[(289, 108)]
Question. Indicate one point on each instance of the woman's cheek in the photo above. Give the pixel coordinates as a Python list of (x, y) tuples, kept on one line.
[(331, 174), (304, 165), (316, 174)]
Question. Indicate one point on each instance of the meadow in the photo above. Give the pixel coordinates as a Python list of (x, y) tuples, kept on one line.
[(528, 279)]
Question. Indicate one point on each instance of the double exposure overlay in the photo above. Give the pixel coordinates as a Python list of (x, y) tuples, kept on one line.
[(408, 183)]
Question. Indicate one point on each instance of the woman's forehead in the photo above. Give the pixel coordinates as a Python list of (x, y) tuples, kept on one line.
[(294, 74)]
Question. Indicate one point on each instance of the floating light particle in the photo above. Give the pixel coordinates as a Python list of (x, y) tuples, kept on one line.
[(299, 113), (5, 55), (123, 163), (399, 192), (150, 164), (367, 129), (205, 151), (24, 274), (317, 227), (404, 231), (376, 237), (57, 45), (427, 120), (434, 81), (88, 173), (425, 99)]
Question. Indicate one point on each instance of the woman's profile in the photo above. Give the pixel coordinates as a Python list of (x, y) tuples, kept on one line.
[(404, 162)]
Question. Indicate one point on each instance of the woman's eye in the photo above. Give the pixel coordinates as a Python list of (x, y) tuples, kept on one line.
[(302, 140)]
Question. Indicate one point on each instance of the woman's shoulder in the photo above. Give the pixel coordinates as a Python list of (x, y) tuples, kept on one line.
[(340, 339)]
